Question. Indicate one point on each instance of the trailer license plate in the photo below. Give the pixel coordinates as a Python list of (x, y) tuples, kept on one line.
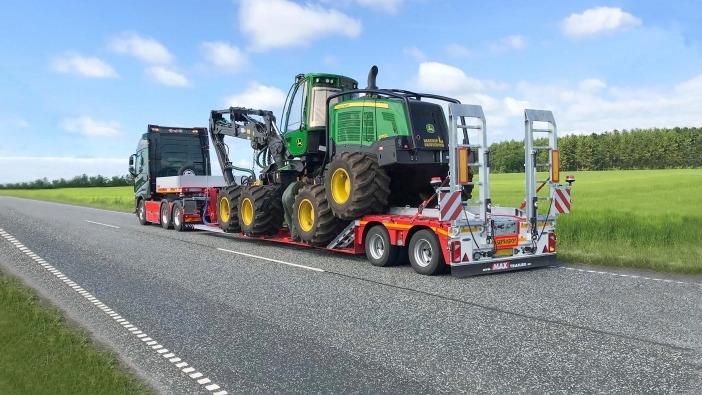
[(504, 252)]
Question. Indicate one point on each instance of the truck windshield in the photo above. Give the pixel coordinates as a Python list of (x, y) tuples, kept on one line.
[(177, 152)]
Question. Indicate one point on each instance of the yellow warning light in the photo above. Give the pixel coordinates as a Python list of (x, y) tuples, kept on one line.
[(555, 166), (463, 166)]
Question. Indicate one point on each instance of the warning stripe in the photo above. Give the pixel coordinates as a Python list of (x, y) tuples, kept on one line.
[(562, 201), (450, 206)]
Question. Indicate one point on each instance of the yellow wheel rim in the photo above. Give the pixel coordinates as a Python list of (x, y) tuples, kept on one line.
[(224, 210), (305, 215), (340, 186), (247, 211)]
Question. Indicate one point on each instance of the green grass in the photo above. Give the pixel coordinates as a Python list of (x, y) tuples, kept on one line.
[(648, 219), (41, 354), (111, 198)]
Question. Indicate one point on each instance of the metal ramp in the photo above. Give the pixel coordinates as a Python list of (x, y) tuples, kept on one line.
[(462, 157), (345, 238), (547, 128)]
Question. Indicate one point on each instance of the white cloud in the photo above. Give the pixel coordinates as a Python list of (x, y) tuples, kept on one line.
[(597, 20), (223, 55), (30, 168), (74, 63), (258, 97), (289, 24), (387, 6), (415, 54), (167, 77), (91, 128), (147, 49), (508, 43), (458, 50), (439, 77)]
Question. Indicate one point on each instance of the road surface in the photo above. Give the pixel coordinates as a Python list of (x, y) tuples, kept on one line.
[(199, 312)]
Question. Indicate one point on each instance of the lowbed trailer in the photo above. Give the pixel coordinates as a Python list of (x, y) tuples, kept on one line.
[(445, 232)]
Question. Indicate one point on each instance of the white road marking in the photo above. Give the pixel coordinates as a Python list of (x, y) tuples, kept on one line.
[(109, 312), (196, 375), (273, 260), (665, 280), (99, 223)]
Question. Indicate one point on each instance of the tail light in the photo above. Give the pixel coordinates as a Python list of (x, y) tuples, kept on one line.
[(551, 242), (455, 251)]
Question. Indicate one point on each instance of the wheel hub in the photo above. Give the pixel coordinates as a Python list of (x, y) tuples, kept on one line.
[(340, 186), (224, 210), (247, 211), (305, 215)]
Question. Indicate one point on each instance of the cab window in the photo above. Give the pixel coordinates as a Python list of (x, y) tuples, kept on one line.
[(319, 105)]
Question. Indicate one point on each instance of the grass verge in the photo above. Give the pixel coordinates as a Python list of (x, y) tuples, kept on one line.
[(41, 354), (111, 198)]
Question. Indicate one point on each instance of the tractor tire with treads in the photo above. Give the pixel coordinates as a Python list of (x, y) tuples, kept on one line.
[(228, 209), (314, 220), (260, 210), (356, 185)]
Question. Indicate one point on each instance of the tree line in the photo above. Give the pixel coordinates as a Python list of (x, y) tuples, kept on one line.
[(636, 149), (80, 181)]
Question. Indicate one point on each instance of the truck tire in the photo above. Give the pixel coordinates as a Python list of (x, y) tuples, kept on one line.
[(260, 211), (178, 223), (165, 214), (356, 185), (425, 253), (315, 222), (228, 209), (186, 170), (378, 248), (141, 212)]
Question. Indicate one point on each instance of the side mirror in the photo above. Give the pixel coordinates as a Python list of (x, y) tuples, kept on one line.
[(131, 160)]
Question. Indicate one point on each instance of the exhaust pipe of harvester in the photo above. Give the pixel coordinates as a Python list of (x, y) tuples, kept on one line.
[(372, 74)]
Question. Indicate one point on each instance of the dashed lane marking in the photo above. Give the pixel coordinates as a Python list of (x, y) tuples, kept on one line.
[(664, 280), (316, 269), (100, 223), (130, 327)]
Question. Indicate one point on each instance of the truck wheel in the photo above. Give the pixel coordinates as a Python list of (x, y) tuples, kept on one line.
[(186, 170), (141, 212), (378, 248), (315, 222), (356, 185), (260, 211), (178, 224), (228, 209), (425, 253), (165, 214)]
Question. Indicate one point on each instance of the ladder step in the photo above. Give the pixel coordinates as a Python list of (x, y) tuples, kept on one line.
[(541, 147), (541, 130), (475, 164), (542, 165), (468, 127)]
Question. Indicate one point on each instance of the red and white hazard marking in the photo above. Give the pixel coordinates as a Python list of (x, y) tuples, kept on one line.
[(450, 206), (561, 200)]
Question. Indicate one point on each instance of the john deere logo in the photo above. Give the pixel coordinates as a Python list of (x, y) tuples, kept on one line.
[(299, 142), (430, 128)]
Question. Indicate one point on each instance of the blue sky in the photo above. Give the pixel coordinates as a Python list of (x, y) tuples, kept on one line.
[(80, 80)]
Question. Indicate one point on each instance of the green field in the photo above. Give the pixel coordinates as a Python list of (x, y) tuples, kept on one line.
[(40, 354), (636, 218)]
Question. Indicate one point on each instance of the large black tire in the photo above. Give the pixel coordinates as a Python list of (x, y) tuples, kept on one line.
[(260, 210), (315, 222), (141, 212), (425, 253), (178, 212), (166, 218), (378, 248), (356, 185), (187, 170), (228, 209)]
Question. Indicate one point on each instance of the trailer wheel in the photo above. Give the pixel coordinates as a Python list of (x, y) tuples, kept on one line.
[(314, 220), (178, 224), (425, 253), (260, 211), (228, 209), (165, 214), (378, 248), (141, 212), (356, 185)]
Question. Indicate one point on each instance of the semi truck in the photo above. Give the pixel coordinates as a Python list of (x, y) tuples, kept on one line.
[(381, 172)]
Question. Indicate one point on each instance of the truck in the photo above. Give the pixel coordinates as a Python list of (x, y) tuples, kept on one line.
[(381, 172)]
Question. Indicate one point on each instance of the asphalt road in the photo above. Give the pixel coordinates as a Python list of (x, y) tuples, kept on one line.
[(254, 323)]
